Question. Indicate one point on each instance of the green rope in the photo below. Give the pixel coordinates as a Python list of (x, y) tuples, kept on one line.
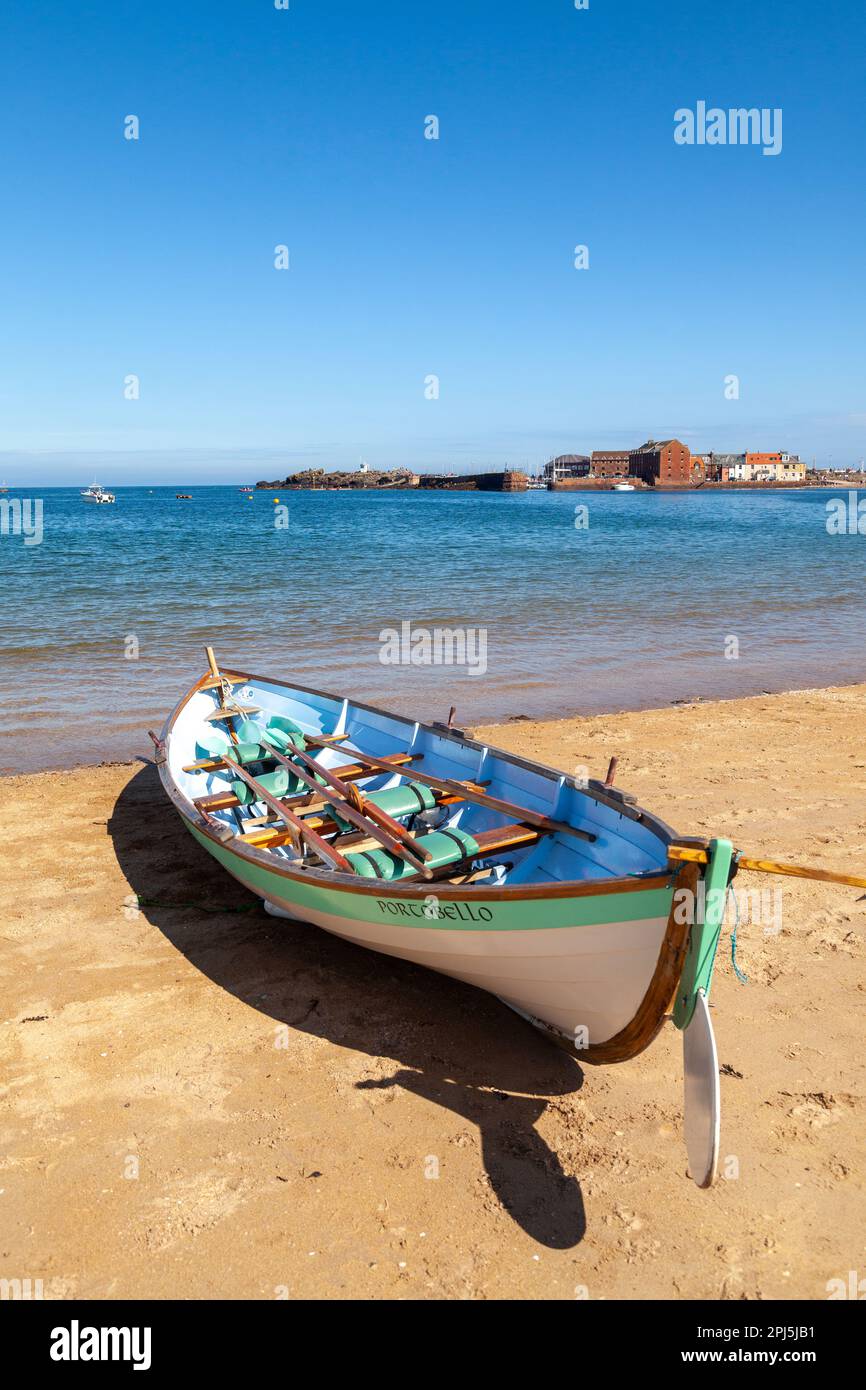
[(743, 979), (200, 907)]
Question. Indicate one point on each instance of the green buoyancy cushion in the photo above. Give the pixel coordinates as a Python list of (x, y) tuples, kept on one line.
[(249, 731), (445, 846), (405, 800), (246, 753), (280, 735), (254, 756), (277, 783), (283, 733), (212, 743)]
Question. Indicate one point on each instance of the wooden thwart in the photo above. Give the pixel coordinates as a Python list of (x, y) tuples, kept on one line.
[(242, 712), (263, 831), (348, 772), (489, 842)]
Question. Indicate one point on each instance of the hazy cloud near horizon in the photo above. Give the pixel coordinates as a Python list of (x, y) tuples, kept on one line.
[(826, 439)]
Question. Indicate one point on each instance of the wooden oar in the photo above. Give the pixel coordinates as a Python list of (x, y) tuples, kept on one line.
[(349, 772), (768, 866), (363, 804), (301, 831), (471, 792), (348, 812)]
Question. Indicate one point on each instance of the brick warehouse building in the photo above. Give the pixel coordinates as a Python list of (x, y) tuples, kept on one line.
[(610, 463), (661, 463)]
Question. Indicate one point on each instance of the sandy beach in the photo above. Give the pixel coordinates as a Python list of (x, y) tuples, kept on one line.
[(199, 1101)]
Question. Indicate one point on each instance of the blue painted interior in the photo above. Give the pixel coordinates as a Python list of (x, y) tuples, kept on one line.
[(623, 845)]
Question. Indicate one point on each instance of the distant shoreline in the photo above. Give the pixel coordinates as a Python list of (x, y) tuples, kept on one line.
[(579, 485)]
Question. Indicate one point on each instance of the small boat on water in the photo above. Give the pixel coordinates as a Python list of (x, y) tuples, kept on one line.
[(623, 487), (4, 487), (97, 494), (581, 910)]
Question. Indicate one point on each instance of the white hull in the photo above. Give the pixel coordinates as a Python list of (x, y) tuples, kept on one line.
[(591, 977), (574, 931)]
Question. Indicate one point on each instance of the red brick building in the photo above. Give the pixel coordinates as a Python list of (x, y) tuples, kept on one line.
[(661, 463), (609, 463)]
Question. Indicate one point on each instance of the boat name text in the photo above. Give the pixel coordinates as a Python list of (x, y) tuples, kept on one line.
[(461, 912)]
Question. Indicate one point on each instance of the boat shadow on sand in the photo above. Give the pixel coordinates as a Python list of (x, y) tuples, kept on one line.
[(451, 1044)]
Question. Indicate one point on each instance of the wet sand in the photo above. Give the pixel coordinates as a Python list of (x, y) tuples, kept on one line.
[(200, 1103)]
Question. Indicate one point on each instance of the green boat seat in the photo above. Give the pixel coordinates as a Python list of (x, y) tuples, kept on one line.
[(249, 731), (283, 733), (248, 753), (277, 783), (279, 737), (406, 800), (211, 744), (445, 846)]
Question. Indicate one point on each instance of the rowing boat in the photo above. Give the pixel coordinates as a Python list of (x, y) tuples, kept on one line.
[(564, 898)]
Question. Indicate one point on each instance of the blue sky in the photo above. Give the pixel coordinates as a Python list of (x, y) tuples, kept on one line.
[(412, 257)]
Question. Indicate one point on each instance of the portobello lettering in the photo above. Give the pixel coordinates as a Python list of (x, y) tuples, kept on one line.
[(453, 912)]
